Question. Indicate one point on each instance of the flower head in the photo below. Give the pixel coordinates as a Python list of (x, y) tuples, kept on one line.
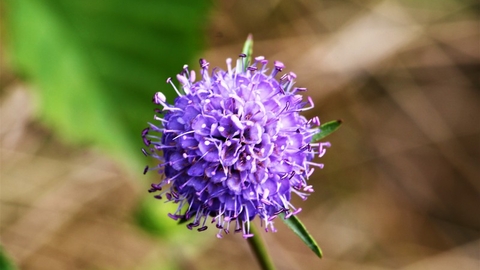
[(233, 145)]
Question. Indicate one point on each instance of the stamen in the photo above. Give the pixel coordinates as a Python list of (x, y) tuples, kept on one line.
[(249, 96), (203, 63), (202, 228), (180, 135), (310, 101), (146, 141), (320, 165), (322, 148), (287, 106), (229, 65), (145, 131), (279, 66), (310, 172), (174, 217), (308, 188), (179, 77), (155, 117), (299, 89), (185, 70), (192, 76)]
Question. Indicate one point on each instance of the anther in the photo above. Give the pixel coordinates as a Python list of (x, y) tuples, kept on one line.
[(203, 63), (159, 98), (145, 131), (202, 228), (174, 217), (278, 65)]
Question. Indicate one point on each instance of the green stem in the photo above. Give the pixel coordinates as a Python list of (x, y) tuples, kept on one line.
[(259, 250)]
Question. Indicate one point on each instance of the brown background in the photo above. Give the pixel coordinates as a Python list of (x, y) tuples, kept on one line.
[(401, 184)]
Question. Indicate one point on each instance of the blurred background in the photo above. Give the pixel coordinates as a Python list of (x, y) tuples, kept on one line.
[(401, 183)]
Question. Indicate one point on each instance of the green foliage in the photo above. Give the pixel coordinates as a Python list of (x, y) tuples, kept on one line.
[(299, 229), (152, 216), (97, 64), (5, 263), (326, 129), (248, 51), (248, 48)]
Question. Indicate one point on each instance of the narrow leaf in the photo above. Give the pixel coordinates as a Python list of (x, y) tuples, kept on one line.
[(299, 229), (326, 129), (248, 48)]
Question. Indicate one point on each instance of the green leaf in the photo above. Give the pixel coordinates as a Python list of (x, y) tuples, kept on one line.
[(326, 129), (97, 64), (248, 50), (152, 216), (5, 262), (299, 229)]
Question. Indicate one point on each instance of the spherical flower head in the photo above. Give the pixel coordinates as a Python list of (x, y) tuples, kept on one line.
[(233, 146)]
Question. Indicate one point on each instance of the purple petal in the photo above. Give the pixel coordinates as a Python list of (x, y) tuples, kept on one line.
[(253, 134), (202, 124), (230, 152), (177, 161), (198, 168), (187, 141), (230, 126), (234, 183), (209, 151)]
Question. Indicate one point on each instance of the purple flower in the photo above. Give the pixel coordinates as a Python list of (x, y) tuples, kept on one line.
[(233, 146)]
